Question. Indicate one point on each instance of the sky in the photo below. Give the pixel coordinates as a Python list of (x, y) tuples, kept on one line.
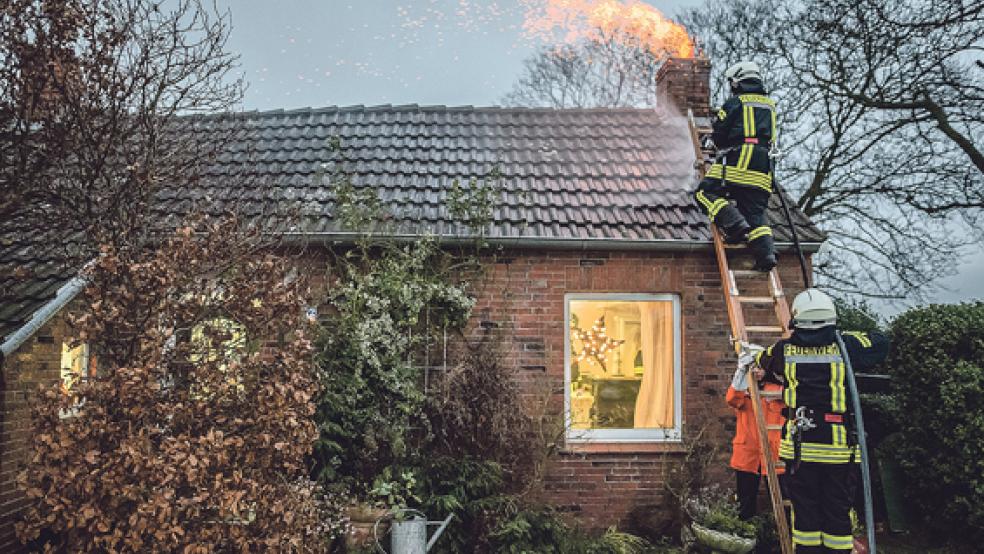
[(315, 53), (299, 53)]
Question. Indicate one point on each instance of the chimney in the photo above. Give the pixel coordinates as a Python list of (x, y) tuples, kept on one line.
[(686, 83)]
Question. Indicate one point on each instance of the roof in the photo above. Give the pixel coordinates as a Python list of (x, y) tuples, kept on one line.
[(619, 176), (570, 178), (32, 269)]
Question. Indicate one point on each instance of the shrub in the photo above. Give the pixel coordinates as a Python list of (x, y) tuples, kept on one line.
[(472, 489), (191, 438), (476, 409), (937, 365), (857, 316), (544, 531), (486, 447), (372, 397)]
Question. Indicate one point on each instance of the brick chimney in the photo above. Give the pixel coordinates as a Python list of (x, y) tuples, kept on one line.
[(685, 83)]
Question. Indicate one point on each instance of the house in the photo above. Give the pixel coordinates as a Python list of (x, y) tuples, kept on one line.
[(606, 278)]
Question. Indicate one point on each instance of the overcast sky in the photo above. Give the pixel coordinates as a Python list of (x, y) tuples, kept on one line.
[(298, 53)]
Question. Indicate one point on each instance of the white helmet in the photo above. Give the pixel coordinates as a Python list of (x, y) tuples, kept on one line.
[(741, 71), (812, 309)]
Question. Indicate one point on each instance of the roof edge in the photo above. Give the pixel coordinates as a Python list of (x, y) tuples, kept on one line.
[(66, 293), (550, 243)]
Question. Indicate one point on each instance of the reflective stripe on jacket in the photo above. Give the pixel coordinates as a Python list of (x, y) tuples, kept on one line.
[(747, 117), (745, 454), (815, 377)]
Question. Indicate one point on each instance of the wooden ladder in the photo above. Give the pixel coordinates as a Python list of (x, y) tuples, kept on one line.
[(740, 332)]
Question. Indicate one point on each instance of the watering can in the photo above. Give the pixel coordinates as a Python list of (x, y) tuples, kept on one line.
[(408, 535)]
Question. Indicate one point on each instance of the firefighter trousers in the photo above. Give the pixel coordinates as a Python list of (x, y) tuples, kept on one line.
[(822, 500), (747, 222)]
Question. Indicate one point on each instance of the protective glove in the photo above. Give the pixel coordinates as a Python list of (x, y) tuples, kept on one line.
[(740, 380), (745, 362)]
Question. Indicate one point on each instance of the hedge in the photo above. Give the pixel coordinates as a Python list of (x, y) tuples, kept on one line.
[(937, 364)]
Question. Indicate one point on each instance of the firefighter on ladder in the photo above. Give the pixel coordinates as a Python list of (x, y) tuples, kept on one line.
[(819, 444), (743, 131)]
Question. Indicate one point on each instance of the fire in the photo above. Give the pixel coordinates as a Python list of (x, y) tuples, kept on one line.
[(607, 19)]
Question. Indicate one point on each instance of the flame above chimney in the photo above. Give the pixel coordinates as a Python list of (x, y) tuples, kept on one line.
[(631, 21)]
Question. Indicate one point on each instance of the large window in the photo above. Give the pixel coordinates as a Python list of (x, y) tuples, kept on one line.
[(622, 374)]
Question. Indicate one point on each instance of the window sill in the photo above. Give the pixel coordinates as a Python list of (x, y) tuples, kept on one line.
[(624, 447)]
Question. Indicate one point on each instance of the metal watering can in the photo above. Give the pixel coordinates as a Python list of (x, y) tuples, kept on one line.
[(408, 535)]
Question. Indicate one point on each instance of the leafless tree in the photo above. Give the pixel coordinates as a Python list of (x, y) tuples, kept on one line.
[(881, 119), (599, 71), (89, 93)]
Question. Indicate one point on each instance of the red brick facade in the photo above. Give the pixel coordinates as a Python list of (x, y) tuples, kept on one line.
[(685, 83), (36, 363), (523, 296), (620, 484)]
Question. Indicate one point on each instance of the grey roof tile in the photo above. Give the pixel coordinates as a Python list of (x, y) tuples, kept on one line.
[(567, 174)]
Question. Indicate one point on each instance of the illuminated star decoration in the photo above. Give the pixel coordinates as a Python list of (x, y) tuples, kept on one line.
[(595, 343)]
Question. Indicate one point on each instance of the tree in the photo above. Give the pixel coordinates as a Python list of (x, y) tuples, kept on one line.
[(608, 56), (614, 71), (880, 117), (194, 436), (90, 91)]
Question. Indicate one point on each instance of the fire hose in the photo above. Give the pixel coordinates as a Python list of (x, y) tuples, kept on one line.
[(869, 512)]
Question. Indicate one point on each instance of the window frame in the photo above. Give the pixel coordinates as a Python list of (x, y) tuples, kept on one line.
[(669, 435)]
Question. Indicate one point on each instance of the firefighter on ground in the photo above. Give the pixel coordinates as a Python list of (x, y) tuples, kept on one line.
[(819, 443), (744, 129), (746, 458)]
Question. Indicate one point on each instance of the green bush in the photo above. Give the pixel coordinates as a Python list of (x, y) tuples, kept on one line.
[(470, 488), (857, 315), (541, 530), (383, 302), (937, 365)]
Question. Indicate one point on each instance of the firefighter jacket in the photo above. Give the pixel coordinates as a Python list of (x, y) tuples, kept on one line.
[(814, 372), (744, 129), (745, 453)]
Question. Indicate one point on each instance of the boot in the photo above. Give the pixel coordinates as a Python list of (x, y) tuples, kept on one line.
[(732, 224), (763, 248)]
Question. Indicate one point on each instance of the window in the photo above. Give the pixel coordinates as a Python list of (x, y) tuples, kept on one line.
[(74, 364), (219, 339), (623, 367)]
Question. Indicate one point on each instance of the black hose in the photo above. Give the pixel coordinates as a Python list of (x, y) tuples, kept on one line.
[(869, 512), (807, 282)]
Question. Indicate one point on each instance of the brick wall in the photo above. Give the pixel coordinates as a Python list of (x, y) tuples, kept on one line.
[(523, 294), (685, 83), (36, 362)]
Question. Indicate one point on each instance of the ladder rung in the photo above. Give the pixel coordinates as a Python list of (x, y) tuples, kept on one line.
[(747, 273), (770, 393), (773, 427), (756, 299), (764, 329), (787, 503), (779, 464)]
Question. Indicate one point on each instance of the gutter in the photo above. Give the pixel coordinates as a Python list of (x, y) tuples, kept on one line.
[(65, 294), (549, 243), (71, 289)]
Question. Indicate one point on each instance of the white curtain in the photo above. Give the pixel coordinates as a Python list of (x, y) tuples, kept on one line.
[(654, 405)]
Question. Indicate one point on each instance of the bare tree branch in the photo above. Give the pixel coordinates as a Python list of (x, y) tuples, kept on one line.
[(880, 116)]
